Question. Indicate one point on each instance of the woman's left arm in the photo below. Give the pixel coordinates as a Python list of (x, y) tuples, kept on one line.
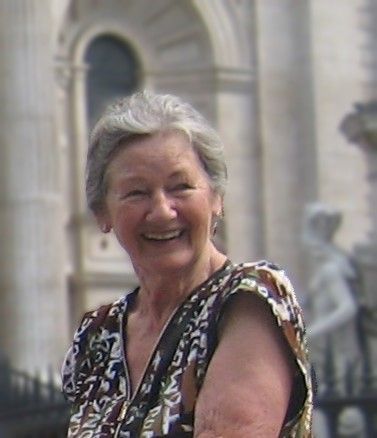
[(248, 383)]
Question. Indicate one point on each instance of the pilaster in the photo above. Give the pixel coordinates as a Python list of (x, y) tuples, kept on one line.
[(33, 310)]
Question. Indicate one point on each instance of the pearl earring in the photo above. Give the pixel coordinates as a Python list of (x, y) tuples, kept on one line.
[(215, 222), (105, 228)]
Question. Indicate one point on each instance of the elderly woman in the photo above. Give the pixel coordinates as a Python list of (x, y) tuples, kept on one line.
[(202, 347)]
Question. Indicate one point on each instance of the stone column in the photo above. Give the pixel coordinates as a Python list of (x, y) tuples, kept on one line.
[(286, 104), (33, 310), (236, 115)]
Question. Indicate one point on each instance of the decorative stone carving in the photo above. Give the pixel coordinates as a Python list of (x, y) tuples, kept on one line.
[(351, 424), (360, 127)]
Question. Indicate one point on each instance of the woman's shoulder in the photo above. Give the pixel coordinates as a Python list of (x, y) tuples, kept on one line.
[(265, 278), (268, 281), (263, 269)]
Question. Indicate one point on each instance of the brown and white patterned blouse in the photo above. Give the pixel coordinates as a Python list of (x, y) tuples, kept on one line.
[(96, 378)]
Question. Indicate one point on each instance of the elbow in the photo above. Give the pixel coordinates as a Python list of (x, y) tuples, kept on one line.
[(240, 424), (349, 311)]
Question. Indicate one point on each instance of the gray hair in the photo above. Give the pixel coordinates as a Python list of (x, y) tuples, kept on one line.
[(146, 113)]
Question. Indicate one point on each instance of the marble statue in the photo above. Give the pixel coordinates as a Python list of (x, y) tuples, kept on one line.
[(331, 300), (332, 291)]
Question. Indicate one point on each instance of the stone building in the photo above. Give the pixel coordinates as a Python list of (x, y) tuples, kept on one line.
[(274, 76)]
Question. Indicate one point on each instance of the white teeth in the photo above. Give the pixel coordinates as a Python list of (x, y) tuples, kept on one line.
[(163, 236)]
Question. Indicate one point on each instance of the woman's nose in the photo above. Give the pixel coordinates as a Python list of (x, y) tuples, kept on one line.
[(162, 207)]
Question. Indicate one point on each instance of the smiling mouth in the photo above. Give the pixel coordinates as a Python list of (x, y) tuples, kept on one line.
[(163, 237)]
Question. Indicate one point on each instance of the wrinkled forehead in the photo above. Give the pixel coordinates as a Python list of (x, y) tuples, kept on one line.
[(158, 138), (167, 153)]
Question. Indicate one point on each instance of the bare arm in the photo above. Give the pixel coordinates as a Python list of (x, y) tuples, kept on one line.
[(248, 383)]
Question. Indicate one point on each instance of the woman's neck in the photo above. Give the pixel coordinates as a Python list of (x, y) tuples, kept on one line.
[(160, 295)]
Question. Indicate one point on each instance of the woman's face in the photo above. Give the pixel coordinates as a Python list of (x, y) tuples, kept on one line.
[(160, 203)]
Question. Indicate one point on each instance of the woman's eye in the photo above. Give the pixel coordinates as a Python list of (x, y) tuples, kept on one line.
[(135, 193), (182, 186)]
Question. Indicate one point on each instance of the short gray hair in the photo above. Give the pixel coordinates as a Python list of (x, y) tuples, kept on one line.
[(146, 113)]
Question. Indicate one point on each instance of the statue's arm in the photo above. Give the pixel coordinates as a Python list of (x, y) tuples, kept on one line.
[(343, 303)]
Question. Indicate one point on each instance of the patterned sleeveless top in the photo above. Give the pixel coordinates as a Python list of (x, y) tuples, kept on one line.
[(96, 378)]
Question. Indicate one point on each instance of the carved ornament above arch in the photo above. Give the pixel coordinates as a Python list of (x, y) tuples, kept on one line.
[(167, 35)]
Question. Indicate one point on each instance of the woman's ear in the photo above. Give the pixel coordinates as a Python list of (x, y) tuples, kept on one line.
[(218, 206), (217, 212), (103, 221)]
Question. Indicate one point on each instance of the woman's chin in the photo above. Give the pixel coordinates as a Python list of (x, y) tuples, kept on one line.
[(170, 262)]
